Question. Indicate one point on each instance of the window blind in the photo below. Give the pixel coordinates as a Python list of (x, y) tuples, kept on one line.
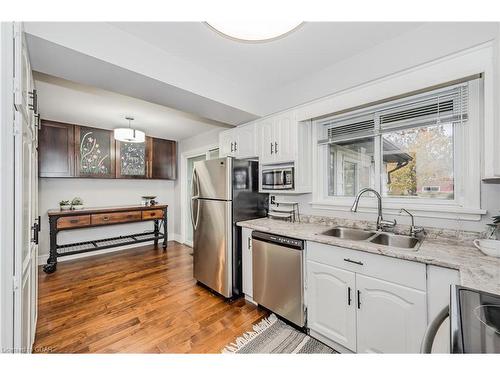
[(439, 107), (355, 127), (449, 104)]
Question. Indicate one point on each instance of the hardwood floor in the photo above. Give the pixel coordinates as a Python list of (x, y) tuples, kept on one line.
[(136, 301)]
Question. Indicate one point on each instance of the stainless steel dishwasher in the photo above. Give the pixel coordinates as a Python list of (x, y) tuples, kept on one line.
[(277, 272)]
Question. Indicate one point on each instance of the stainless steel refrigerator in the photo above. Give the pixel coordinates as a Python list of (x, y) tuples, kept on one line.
[(224, 191)]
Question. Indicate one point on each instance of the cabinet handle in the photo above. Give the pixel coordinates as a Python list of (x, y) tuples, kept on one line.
[(271, 148), (349, 296), (359, 299), (353, 261), (73, 221), (231, 146), (275, 147), (105, 218), (235, 144), (249, 242)]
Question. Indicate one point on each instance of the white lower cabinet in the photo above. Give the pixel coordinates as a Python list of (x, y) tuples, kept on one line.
[(246, 262), (331, 309), (363, 302), (390, 318)]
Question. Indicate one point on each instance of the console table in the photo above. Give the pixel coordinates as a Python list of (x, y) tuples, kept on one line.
[(100, 216)]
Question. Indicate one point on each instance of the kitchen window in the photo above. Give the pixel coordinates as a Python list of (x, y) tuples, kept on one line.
[(417, 151)]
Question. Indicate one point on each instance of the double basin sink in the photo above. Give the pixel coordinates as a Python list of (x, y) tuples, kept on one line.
[(380, 238)]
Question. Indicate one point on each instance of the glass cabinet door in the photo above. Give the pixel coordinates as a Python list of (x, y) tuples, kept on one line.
[(95, 156), (132, 159)]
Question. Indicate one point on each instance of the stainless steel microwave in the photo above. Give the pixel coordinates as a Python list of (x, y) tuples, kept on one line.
[(278, 179)]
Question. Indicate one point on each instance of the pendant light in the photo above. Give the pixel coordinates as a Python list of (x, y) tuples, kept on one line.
[(254, 31), (129, 134)]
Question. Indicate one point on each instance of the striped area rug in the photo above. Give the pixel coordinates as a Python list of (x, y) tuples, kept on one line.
[(271, 335)]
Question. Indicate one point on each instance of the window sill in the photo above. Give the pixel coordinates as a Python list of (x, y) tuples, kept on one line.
[(439, 211)]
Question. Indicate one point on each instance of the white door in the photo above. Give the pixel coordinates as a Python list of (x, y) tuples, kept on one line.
[(246, 260), (266, 140), (331, 303), (285, 137), (244, 142), (26, 203), (391, 318), (226, 143)]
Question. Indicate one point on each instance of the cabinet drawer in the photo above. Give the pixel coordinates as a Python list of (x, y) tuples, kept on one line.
[(403, 272), (73, 221), (116, 217), (152, 214)]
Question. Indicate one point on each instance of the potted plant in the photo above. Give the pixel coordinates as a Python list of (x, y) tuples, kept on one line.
[(77, 203), (64, 205), (490, 245), (494, 229)]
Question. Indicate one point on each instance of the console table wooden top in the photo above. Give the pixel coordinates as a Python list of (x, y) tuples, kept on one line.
[(109, 209)]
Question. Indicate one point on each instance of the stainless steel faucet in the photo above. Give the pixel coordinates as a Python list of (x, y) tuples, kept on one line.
[(413, 229), (381, 223)]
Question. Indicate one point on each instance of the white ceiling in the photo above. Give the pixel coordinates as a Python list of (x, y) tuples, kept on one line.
[(66, 101), (260, 67)]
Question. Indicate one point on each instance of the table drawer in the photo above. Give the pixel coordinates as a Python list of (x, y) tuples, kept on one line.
[(73, 221), (116, 217), (152, 214)]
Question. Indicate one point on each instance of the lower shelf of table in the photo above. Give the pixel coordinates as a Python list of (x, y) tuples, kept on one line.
[(106, 243)]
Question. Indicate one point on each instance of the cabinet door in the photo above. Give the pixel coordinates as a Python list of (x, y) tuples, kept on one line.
[(133, 159), (95, 152), (56, 149), (164, 159), (226, 144), (331, 303), (244, 142), (391, 318), (246, 259), (266, 140), (285, 138)]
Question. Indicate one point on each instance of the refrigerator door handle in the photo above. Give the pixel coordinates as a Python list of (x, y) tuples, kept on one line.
[(195, 198)]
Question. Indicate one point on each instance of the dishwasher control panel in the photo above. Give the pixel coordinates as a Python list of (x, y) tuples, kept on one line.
[(279, 240)]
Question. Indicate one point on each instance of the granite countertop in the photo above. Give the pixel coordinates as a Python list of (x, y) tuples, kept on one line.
[(476, 270)]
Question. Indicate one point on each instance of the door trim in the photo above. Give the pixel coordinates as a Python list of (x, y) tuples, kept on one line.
[(184, 211), (7, 187)]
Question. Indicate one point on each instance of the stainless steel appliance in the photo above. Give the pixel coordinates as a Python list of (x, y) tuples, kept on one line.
[(278, 178), (474, 322), (224, 191), (277, 272)]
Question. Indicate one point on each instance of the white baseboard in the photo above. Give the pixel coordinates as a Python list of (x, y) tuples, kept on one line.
[(42, 258)]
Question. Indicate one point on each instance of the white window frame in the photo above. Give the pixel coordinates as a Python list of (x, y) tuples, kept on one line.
[(467, 171)]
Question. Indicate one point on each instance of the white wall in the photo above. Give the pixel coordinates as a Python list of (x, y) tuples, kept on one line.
[(101, 192), (426, 43)]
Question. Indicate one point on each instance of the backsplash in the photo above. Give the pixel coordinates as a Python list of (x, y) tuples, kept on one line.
[(460, 236)]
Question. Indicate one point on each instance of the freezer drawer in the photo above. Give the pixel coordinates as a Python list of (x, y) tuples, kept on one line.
[(277, 273), (212, 244)]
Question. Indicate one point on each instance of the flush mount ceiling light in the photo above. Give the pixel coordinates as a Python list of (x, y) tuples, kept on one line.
[(129, 134), (256, 31)]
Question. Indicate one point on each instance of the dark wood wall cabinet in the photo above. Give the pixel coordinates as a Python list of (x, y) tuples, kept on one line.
[(67, 150)]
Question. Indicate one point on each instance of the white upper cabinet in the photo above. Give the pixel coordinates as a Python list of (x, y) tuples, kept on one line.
[(277, 137), (282, 140), (238, 142)]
